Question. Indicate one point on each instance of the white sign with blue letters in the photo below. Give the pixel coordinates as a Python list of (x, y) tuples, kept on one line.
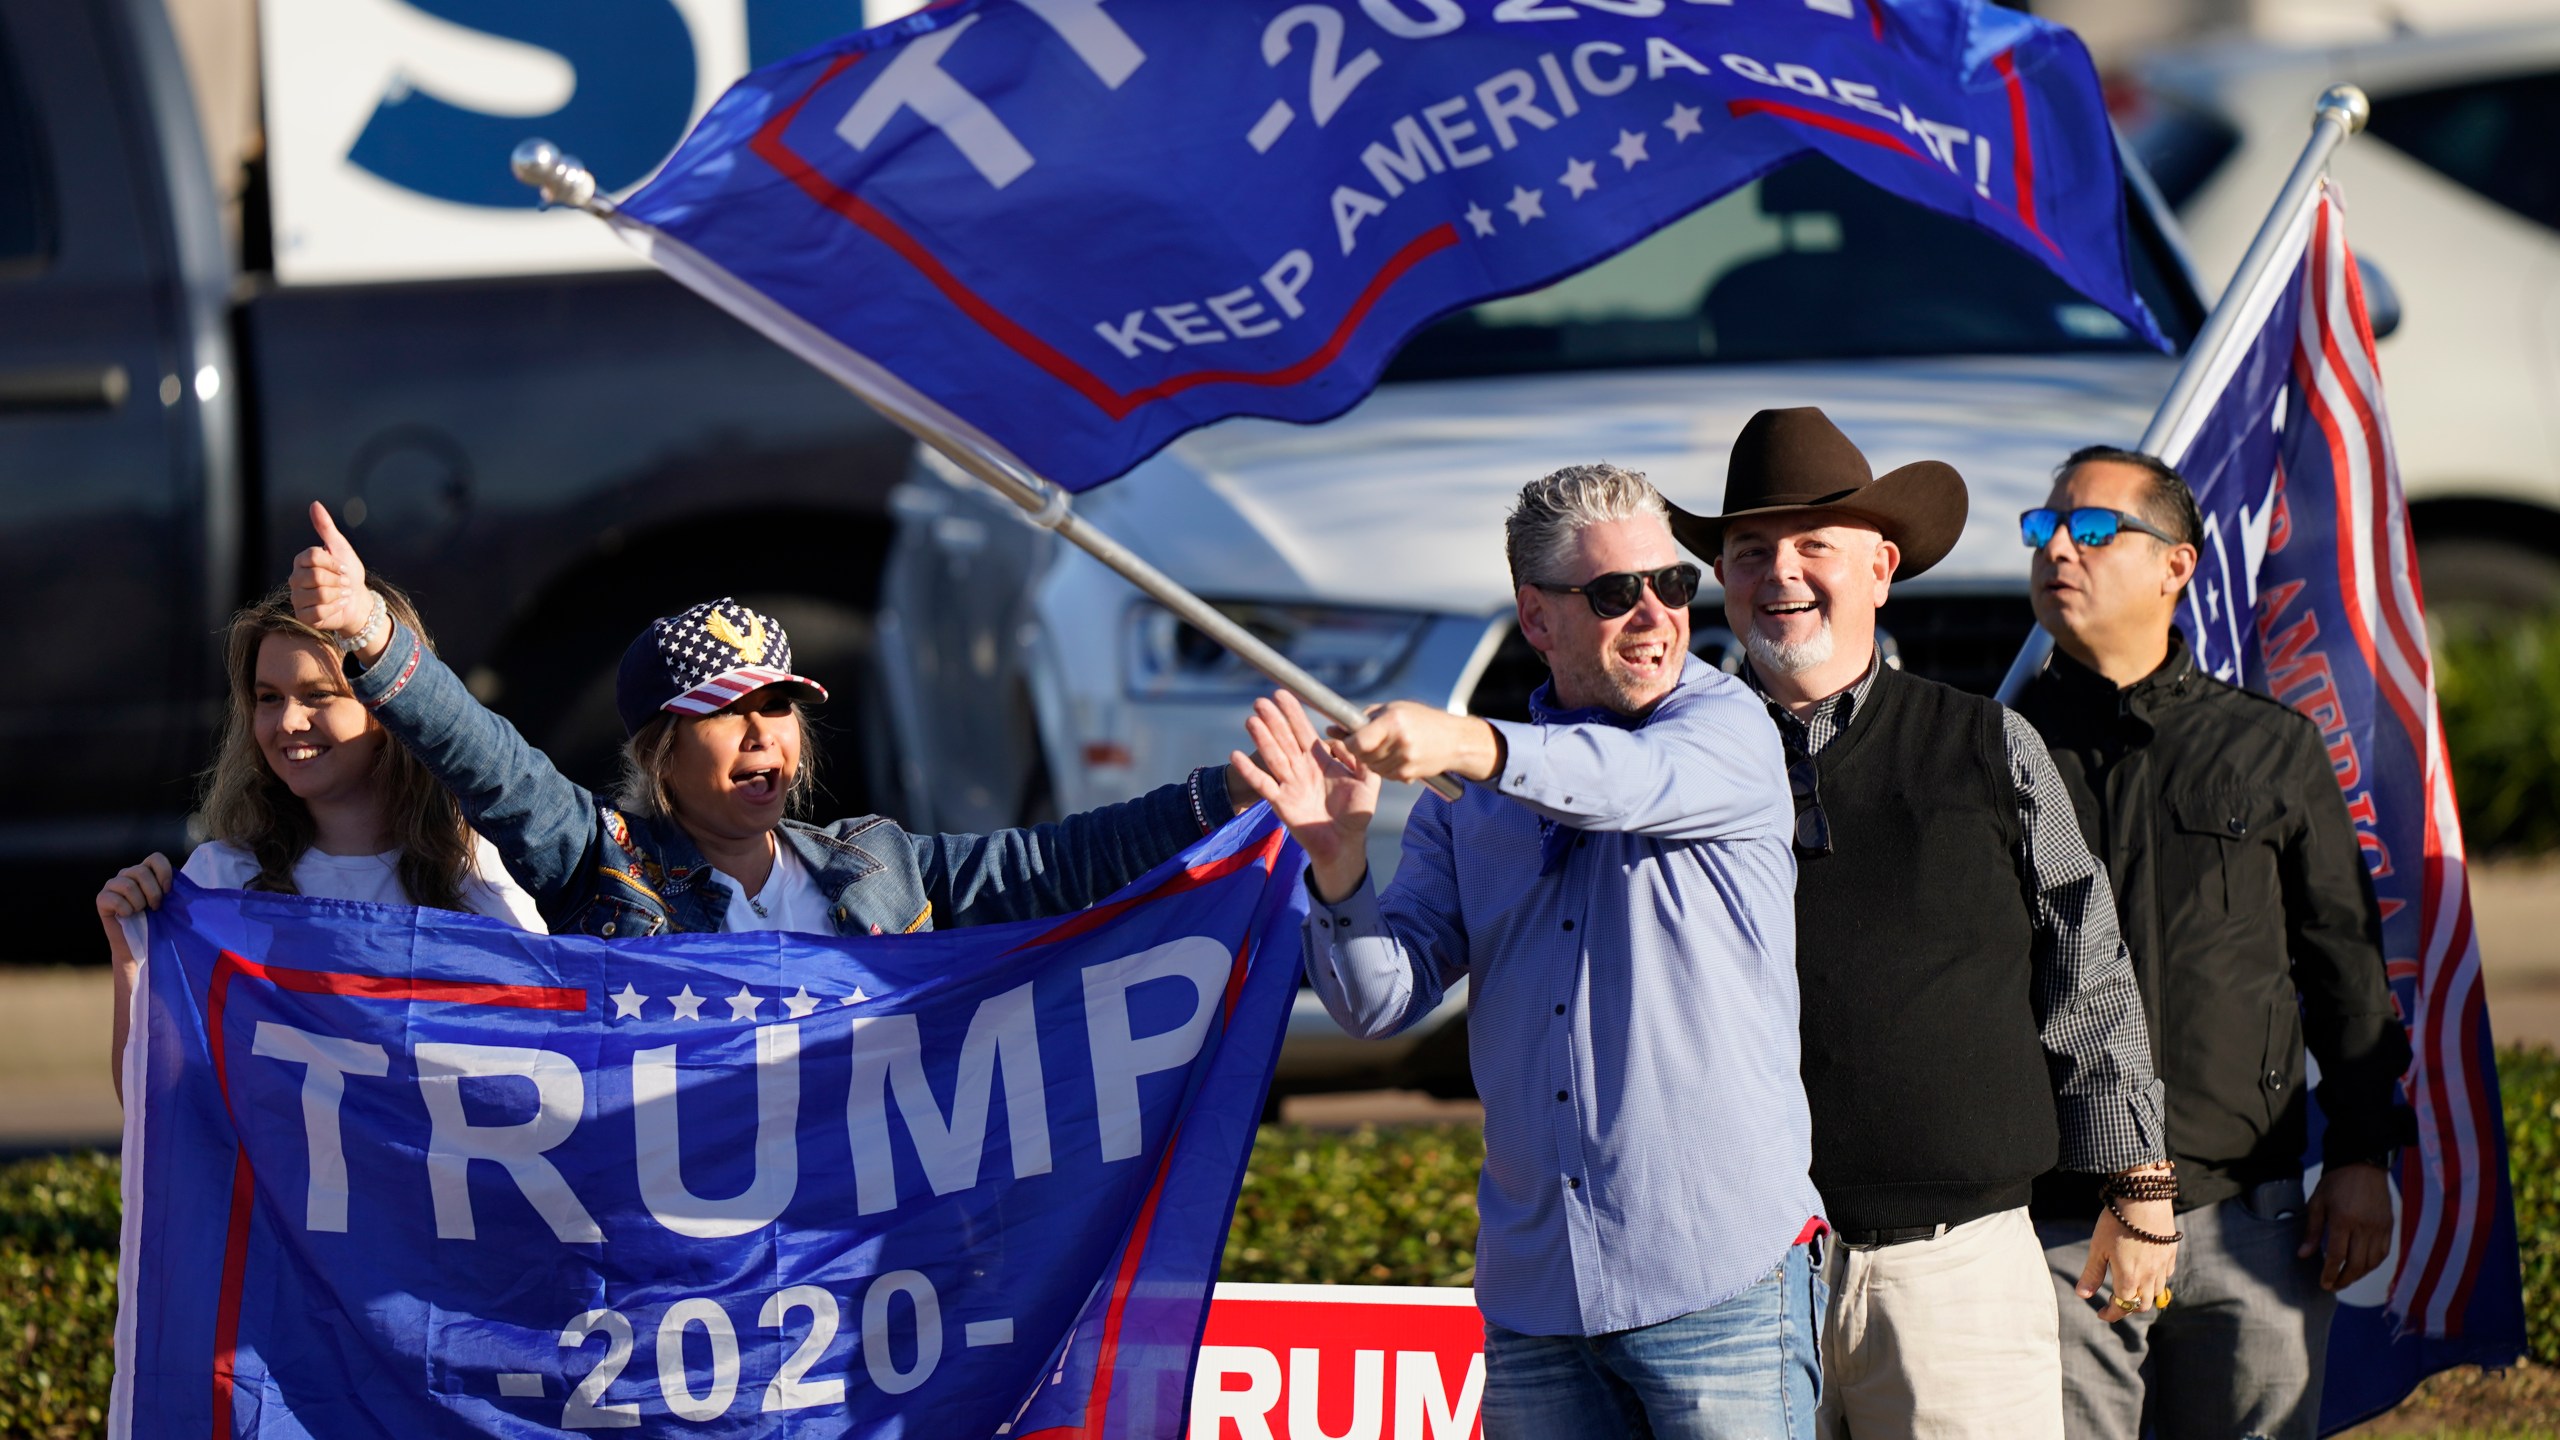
[(389, 121)]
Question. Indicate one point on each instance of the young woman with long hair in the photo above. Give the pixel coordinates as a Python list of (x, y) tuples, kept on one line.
[(309, 796)]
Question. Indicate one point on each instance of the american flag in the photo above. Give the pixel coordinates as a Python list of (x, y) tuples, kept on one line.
[(2307, 589)]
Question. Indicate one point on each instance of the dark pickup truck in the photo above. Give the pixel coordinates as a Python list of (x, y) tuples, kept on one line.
[(544, 463)]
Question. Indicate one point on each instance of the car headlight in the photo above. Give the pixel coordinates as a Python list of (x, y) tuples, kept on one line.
[(1351, 650)]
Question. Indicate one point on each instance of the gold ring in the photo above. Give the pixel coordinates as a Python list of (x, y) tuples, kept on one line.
[(2163, 1300)]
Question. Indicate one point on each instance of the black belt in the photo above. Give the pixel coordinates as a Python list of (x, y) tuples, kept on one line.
[(1899, 1235)]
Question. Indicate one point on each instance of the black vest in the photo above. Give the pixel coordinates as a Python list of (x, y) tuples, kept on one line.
[(1931, 1101)]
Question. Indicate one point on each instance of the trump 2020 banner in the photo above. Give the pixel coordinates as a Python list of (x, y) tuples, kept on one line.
[(400, 1172), (1070, 230)]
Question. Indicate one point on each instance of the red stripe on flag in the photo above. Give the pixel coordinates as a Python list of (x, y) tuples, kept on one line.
[(2441, 1162), (2021, 142), (408, 987), (2484, 1208), (768, 144), (235, 1248), (226, 1314), (1098, 1399), (1085, 922), (2452, 1193), (1820, 120)]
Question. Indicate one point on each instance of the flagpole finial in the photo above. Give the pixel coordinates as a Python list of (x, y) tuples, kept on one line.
[(2347, 103), (560, 178)]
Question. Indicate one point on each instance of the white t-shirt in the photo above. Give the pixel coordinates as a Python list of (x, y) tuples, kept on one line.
[(790, 899), (221, 865)]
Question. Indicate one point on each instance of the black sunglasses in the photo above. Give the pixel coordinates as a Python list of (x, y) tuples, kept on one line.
[(1614, 595), (2088, 525)]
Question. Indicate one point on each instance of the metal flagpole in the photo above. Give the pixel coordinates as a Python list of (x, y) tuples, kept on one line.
[(2341, 112), (563, 181)]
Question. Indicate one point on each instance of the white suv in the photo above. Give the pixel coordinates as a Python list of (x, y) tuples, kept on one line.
[(1024, 680), (2454, 192)]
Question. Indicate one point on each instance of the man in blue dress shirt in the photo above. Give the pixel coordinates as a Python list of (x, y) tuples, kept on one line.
[(1618, 882)]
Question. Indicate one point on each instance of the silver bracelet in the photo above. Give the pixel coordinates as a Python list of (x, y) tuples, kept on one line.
[(1199, 811), (374, 625)]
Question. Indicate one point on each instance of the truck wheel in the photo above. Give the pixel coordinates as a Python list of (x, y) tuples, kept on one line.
[(2476, 582)]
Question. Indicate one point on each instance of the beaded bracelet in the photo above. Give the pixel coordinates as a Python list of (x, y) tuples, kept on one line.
[(2144, 1185), (375, 621), (2138, 1233)]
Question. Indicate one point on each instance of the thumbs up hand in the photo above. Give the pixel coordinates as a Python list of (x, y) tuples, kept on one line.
[(329, 593)]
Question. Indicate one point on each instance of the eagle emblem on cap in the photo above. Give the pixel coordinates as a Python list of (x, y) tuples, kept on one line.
[(749, 643)]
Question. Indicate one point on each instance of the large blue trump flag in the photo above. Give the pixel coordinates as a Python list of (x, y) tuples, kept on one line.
[(399, 1172), (1072, 230)]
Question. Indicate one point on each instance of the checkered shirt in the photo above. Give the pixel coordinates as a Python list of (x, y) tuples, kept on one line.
[(2088, 1008)]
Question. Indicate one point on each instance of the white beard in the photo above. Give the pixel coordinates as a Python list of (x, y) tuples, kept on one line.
[(1788, 658)]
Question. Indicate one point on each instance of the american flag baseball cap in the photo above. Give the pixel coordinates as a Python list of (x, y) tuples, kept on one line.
[(702, 661)]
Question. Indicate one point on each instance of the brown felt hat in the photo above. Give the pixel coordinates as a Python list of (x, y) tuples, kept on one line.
[(1798, 460)]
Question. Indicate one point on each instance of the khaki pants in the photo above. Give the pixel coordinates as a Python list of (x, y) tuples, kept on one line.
[(1946, 1339)]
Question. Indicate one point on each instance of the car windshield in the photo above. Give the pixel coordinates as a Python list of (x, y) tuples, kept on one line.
[(1806, 263)]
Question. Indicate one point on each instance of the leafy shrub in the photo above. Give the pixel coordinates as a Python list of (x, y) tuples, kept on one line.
[(58, 1219), (1371, 1207), (2529, 1084), (2499, 687)]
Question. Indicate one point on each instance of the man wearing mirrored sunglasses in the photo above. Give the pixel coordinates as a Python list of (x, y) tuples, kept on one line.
[(2254, 930), (1616, 889), (1970, 1019)]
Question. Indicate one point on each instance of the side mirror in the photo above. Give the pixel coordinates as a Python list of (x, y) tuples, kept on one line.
[(2381, 302)]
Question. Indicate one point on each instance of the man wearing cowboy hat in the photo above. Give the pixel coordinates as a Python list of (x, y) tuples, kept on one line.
[(1970, 1019)]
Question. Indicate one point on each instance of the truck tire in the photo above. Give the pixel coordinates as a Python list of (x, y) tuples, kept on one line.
[(2476, 580)]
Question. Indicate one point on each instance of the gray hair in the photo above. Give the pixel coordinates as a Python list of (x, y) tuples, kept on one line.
[(1552, 512)]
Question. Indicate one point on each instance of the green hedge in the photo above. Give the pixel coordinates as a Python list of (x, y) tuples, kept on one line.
[(1368, 1207), (2529, 1084), (57, 1295), (2499, 688), (1372, 1207)]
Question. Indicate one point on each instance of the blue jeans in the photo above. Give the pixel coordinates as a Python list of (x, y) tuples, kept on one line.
[(1746, 1369)]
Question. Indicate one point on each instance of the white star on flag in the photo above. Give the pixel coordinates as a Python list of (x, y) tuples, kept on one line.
[(1578, 178), (626, 1006), (1683, 122), (800, 1002), (688, 1005), (1527, 205), (1630, 148), (1479, 218), (856, 998), (742, 1006)]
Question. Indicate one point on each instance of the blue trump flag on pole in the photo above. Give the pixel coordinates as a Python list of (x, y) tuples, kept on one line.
[(1065, 231), (403, 1172), (2306, 589)]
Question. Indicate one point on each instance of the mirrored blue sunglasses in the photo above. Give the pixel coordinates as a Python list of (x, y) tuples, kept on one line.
[(2088, 525)]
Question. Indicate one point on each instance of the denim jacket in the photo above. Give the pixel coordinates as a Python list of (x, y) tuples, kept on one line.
[(595, 870)]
